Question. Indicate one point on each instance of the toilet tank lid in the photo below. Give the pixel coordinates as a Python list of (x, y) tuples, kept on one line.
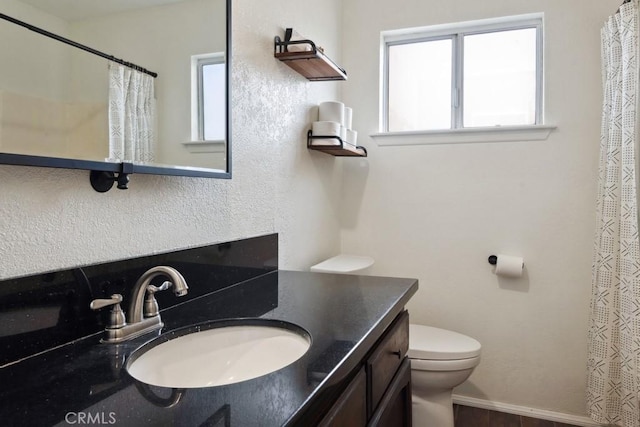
[(343, 263), (429, 343)]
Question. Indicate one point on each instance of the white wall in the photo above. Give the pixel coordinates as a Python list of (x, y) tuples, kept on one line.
[(52, 219), (38, 115), (437, 212), (39, 68)]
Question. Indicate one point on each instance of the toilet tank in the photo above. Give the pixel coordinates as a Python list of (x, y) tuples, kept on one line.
[(344, 264)]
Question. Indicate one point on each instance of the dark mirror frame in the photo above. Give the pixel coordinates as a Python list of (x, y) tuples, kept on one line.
[(131, 168)]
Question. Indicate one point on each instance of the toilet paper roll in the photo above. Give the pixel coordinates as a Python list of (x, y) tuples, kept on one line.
[(331, 111), (509, 266), (348, 117), (296, 36), (352, 137), (323, 142), (343, 133), (326, 128)]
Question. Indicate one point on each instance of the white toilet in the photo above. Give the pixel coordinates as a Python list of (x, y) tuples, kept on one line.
[(440, 361), (344, 264)]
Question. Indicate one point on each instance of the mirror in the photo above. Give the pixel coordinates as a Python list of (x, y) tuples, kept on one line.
[(59, 104)]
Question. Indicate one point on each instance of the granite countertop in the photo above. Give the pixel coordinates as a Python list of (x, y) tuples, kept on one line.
[(85, 380)]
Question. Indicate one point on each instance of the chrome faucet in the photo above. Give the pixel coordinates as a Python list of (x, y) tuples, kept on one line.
[(144, 315)]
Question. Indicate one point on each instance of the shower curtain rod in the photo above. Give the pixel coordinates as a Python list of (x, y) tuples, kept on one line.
[(77, 45)]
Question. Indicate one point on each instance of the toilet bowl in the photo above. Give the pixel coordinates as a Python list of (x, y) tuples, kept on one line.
[(440, 361)]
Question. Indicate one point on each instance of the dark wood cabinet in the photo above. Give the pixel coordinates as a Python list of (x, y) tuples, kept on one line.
[(351, 407), (386, 358), (395, 407), (380, 393)]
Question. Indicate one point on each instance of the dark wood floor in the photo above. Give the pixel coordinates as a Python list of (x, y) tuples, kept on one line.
[(466, 416)]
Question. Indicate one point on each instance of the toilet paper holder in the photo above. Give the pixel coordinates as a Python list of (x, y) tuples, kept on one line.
[(493, 260)]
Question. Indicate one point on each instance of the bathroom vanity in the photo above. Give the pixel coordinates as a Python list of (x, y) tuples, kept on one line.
[(55, 371)]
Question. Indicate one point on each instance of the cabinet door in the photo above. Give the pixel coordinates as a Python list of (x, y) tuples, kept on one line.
[(350, 410), (385, 360), (395, 407)]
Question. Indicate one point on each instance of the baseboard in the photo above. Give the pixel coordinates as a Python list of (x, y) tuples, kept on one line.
[(526, 411)]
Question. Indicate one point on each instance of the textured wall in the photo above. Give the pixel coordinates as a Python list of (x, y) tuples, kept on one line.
[(436, 212), (52, 219)]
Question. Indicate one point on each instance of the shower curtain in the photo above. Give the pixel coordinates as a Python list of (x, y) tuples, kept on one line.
[(131, 115), (613, 383)]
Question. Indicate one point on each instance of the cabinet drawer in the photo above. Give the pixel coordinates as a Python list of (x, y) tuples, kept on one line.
[(386, 358), (351, 408)]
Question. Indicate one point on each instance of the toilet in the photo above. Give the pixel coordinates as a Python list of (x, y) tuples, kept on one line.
[(344, 264), (440, 361)]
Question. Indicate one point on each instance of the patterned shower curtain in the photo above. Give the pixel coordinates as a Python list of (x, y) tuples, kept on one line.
[(131, 115), (613, 386)]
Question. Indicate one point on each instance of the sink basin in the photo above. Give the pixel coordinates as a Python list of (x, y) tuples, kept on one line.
[(218, 353)]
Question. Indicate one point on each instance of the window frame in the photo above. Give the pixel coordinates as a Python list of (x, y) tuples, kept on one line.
[(456, 32), (197, 92)]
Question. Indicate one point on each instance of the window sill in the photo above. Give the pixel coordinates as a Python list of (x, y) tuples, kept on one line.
[(463, 136), (213, 146)]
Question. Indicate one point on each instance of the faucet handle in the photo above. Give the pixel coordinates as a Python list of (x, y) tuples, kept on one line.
[(153, 289), (116, 316), (97, 304), (151, 308)]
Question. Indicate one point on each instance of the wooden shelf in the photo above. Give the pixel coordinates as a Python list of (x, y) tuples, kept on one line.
[(307, 60), (339, 149)]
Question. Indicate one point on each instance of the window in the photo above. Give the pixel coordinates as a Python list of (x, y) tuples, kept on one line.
[(480, 74), (208, 97)]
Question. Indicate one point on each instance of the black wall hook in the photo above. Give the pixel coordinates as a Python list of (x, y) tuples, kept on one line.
[(102, 181), (493, 259)]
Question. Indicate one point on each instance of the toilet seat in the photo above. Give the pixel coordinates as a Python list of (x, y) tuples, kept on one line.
[(444, 365), (427, 343)]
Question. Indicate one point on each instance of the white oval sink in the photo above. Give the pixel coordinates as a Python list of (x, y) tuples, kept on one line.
[(218, 353)]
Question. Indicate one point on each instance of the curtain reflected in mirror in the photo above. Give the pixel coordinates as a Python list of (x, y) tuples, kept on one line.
[(132, 115)]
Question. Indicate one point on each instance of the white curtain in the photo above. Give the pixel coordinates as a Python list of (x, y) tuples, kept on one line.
[(131, 115), (613, 388)]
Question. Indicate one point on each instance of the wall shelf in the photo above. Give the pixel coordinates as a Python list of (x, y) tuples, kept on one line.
[(307, 59), (339, 148)]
